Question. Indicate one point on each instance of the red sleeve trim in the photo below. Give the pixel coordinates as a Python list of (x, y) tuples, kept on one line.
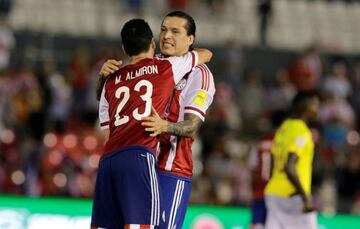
[(195, 109), (193, 59), (104, 123), (205, 77)]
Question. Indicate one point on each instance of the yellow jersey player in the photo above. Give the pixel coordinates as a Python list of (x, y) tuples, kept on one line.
[(288, 192)]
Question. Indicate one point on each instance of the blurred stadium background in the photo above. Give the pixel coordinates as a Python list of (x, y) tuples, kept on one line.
[(51, 52)]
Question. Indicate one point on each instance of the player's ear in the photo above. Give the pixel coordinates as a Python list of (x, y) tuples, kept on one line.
[(122, 48), (153, 44), (191, 39)]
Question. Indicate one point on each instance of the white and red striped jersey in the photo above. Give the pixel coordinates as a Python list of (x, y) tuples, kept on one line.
[(193, 94), (129, 94)]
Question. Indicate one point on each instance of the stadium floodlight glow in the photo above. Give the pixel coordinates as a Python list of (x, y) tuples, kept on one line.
[(50, 140), (18, 177), (55, 157), (70, 141), (7, 136), (60, 180), (90, 142), (353, 138), (94, 161)]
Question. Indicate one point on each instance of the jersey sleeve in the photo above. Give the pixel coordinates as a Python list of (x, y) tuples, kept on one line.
[(183, 64), (104, 111), (200, 93)]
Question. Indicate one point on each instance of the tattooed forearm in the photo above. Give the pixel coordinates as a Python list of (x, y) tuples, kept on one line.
[(186, 128), (99, 86)]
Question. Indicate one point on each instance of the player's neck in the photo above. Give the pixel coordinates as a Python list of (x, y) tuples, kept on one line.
[(140, 57), (301, 117)]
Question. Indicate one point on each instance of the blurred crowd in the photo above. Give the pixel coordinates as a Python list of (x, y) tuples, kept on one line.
[(245, 108), (50, 141)]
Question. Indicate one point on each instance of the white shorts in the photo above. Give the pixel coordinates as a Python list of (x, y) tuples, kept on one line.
[(286, 213)]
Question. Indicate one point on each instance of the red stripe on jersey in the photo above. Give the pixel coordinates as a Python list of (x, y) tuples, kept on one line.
[(205, 77), (202, 77), (195, 109), (105, 123), (193, 59), (93, 227)]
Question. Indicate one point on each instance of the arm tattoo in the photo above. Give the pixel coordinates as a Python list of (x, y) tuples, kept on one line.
[(186, 128), (99, 86)]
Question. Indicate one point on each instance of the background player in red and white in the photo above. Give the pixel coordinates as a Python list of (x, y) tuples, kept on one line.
[(126, 192), (192, 97), (260, 164)]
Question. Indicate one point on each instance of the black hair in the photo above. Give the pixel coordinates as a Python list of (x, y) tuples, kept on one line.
[(301, 101), (136, 36), (277, 117), (190, 26)]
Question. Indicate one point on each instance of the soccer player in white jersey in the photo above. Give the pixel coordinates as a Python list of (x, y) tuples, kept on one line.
[(192, 97), (127, 192)]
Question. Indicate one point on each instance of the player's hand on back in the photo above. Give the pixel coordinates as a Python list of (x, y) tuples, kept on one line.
[(154, 124), (109, 67)]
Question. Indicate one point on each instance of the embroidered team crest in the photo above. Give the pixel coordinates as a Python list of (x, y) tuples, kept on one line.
[(181, 85)]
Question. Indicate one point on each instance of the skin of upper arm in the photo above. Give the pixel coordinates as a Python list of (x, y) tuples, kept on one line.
[(271, 165), (106, 134), (291, 162)]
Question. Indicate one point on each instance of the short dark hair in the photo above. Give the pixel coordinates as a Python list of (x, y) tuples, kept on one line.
[(301, 101), (136, 36), (190, 25)]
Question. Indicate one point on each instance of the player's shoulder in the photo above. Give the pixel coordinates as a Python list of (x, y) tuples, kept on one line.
[(201, 76), (201, 69), (299, 125), (162, 60), (293, 123), (112, 76), (294, 127)]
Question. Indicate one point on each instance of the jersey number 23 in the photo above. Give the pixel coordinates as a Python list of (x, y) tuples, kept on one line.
[(124, 93)]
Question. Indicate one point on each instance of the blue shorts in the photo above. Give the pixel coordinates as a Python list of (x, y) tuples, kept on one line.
[(175, 198), (258, 211), (126, 191)]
